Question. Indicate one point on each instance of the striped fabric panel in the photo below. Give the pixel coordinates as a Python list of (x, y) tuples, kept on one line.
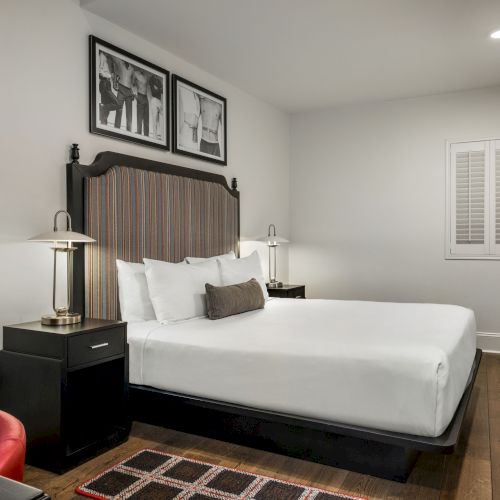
[(134, 213)]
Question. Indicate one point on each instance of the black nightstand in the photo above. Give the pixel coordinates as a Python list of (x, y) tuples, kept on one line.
[(288, 291), (69, 387)]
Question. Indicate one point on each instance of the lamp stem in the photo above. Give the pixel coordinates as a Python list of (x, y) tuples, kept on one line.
[(54, 280), (69, 273), (270, 279), (274, 277)]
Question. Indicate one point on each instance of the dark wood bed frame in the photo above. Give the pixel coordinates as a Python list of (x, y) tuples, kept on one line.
[(384, 454)]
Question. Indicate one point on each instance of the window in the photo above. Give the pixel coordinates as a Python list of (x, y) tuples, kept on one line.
[(473, 200)]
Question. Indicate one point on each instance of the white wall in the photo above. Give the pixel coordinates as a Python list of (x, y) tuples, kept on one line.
[(368, 202), (44, 89)]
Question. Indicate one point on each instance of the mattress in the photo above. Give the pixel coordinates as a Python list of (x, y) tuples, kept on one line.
[(395, 367)]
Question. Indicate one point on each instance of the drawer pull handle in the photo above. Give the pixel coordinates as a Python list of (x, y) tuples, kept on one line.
[(98, 346)]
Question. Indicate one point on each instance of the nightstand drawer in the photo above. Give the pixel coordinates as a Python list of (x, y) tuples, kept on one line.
[(96, 345), (288, 291)]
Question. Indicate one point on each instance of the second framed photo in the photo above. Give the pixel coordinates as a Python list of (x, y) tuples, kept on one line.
[(199, 122), (128, 96)]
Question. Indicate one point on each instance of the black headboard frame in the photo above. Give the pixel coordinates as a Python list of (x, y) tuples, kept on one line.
[(76, 175)]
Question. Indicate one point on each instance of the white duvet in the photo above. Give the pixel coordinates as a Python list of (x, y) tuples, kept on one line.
[(396, 367)]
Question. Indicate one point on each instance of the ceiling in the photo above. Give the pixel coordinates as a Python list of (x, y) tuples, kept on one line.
[(307, 54)]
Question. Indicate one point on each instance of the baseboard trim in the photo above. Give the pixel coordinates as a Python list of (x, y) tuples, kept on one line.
[(488, 341)]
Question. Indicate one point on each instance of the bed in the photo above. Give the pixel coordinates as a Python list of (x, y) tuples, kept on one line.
[(358, 357), (359, 385)]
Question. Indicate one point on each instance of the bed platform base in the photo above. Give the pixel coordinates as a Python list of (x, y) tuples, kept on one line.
[(379, 453)]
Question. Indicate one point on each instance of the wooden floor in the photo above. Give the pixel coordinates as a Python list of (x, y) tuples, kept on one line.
[(472, 472)]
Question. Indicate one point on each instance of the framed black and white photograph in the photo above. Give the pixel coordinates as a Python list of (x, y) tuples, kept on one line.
[(128, 96), (199, 122)]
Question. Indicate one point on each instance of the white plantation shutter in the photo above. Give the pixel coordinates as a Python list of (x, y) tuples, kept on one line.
[(470, 212), (495, 195), (470, 182), (473, 200)]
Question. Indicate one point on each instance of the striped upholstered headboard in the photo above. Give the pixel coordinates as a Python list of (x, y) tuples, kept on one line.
[(135, 209)]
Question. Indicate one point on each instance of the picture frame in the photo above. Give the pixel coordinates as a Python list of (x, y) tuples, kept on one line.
[(129, 96), (199, 122)]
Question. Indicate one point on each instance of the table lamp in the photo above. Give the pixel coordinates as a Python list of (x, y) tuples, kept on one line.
[(273, 241), (63, 243)]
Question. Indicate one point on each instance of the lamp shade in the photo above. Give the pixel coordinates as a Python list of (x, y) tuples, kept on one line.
[(274, 240), (67, 236), (62, 236)]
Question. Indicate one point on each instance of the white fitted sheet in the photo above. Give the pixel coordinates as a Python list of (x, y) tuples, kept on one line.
[(397, 367)]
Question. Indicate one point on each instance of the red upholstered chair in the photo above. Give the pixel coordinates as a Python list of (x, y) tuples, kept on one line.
[(12, 447)]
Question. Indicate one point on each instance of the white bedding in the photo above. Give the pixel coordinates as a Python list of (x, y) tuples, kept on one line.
[(397, 367)]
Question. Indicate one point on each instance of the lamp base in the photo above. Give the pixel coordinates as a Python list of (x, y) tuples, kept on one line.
[(274, 284), (67, 319)]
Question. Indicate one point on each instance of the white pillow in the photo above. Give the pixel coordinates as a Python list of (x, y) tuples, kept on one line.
[(241, 270), (196, 260), (135, 304), (177, 291)]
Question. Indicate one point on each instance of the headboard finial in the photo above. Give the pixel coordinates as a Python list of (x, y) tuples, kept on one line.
[(75, 153), (234, 183)]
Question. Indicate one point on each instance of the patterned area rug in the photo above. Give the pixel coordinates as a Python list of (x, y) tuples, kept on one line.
[(152, 475)]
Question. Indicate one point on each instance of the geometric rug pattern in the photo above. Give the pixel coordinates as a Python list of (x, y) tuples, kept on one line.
[(153, 475)]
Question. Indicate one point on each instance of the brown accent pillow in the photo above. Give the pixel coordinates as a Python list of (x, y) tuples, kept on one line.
[(225, 301)]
